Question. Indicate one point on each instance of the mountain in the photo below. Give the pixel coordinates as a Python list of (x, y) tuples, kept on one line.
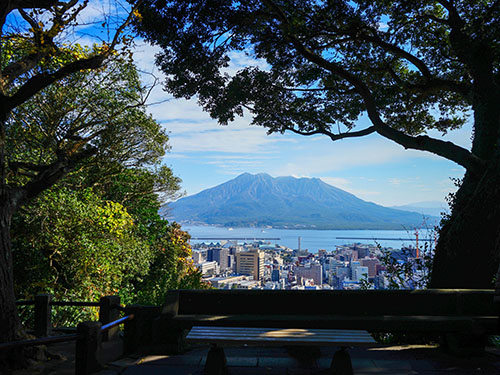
[(427, 208), (285, 202)]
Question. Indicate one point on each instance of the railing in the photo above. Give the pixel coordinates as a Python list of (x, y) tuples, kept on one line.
[(88, 336), (109, 310)]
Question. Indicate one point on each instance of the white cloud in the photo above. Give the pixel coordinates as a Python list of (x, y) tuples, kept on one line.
[(352, 187), (240, 60), (245, 140), (336, 156), (98, 11), (337, 182), (397, 181)]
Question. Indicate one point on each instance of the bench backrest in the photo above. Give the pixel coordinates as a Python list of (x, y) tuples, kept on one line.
[(430, 302)]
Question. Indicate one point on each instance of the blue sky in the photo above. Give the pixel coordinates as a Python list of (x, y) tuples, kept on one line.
[(205, 154)]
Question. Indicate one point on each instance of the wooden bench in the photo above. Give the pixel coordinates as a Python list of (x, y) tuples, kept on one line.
[(216, 336), (463, 317)]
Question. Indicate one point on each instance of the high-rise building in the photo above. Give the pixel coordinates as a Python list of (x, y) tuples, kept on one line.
[(371, 263), (363, 252), (210, 254), (221, 256), (250, 263), (310, 271)]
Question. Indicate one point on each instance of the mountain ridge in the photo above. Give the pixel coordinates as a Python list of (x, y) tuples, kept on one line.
[(286, 202)]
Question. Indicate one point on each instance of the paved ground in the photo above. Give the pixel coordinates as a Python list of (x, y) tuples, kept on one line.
[(391, 360), (398, 360)]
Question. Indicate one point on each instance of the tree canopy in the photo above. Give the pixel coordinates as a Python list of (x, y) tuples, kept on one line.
[(410, 67), (78, 110), (94, 229), (407, 65)]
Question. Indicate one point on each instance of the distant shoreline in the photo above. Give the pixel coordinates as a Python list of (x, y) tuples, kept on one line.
[(264, 227), (310, 239)]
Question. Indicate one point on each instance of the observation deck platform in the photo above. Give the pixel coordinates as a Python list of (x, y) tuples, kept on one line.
[(390, 360)]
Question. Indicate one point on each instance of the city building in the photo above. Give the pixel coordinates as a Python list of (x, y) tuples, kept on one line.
[(359, 273), (371, 263), (275, 275), (208, 268), (310, 271), (225, 282), (229, 265), (219, 255), (199, 256), (250, 263)]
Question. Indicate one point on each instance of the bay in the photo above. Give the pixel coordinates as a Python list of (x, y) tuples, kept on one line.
[(310, 239)]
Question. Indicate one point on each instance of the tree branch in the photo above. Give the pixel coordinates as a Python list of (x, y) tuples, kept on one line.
[(6, 6), (445, 149), (16, 165), (333, 136), (419, 64), (54, 172), (40, 81)]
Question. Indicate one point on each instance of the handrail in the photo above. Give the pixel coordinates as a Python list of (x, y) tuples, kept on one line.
[(62, 338), (109, 309), (117, 322)]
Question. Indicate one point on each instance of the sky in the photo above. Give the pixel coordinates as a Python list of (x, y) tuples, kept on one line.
[(204, 154)]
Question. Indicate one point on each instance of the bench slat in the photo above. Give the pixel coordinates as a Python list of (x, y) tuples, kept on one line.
[(268, 336), (278, 332)]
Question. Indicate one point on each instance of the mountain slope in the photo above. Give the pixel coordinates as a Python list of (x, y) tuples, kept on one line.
[(260, 200), (428, 208)]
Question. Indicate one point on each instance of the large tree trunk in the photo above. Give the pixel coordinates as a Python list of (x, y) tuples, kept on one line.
[(9, 320), (10, 327), (467, 253)]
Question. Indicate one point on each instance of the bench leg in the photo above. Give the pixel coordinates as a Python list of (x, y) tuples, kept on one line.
[(464, 344), (216, 362), (341, 363)]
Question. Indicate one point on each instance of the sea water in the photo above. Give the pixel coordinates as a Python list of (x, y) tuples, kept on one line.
[(310, 239)]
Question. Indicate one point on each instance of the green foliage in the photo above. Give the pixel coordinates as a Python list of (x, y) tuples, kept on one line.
[(97, 231), (76, 246), (414, 273), (317, 60), (411, 274), (101, 111), (365, 283), (171, 267)]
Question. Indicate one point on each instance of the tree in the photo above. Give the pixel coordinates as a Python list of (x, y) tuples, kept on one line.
[(34, 56), (171, 266), (95, 231), (78, 247), (410, 66)]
